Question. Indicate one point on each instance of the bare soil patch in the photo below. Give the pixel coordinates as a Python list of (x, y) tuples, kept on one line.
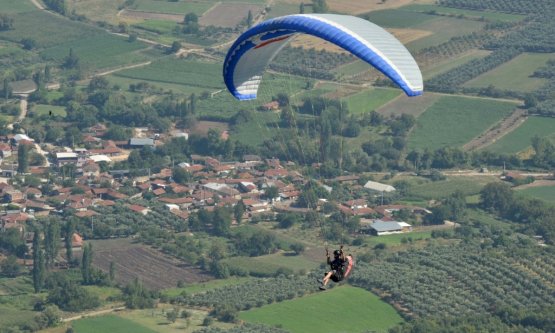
[(202, 127), (499, 130), (133, 260), (408, 105), (140, 15), (365, 6), (229, 15), (409, 35)]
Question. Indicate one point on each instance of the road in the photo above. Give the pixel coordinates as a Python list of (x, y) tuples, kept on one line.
[(93, 313)]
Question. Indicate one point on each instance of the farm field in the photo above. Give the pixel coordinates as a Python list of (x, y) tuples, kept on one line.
[(369, 100), (16, 6), (521, 138), (157, 26), (444, 188), (98, 52), (42, 109), (153, 268), (408, 105), (365, 6), (16, 301), (263, 126), (229, 15), (360, 311), (124, 83), (453, 121), (545, 193), (267, 265), (204, 286), (399, 18), (444, 29), (179, 7), (514, 74), (448, 64), (442, 10), (397, 239), (178, 71), (110, 323)]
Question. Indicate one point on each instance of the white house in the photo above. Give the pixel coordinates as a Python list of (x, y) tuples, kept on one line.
[(378, 187)]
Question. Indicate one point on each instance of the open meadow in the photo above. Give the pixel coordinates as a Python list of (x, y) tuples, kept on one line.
[(515, 74), (16, 6), (545, 193), (443, 188), (370, 99), (453, 121), (359, 310), (109, 323), (267, 265)]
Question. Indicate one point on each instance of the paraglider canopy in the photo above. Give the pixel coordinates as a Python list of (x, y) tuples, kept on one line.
[(249, 56)]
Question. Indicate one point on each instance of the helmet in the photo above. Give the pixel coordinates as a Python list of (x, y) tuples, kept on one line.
[(336, 253)]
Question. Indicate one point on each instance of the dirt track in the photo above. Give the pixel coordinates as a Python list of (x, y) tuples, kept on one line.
[(499, 130)]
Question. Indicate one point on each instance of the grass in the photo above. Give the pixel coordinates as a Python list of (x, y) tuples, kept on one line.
[(16, 301), (99, 51), (399, 18), (444, 29), (521, 138), (261, 128), (447, 65), (352, 68), (179, 71), (110, 323), (47, 30), (204, 286), (359, 311), (104, 293), (124, 83), (157, 26), (179, 7), (16, 6), (371, 99), (490, 16), (453, 121), (43, 109), (267, 265), (545, 193), (443, 188), (397, 239), (514, 74), (280, 9)]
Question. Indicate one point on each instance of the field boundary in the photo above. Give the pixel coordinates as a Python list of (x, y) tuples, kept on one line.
[(498, 130)]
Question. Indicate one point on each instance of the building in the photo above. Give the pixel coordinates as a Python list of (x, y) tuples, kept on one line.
[(141, 142), (379, 227), (64, 158), (378, 187)]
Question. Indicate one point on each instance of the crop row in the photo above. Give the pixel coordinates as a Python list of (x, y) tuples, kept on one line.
[(508, 6), (458, 280)]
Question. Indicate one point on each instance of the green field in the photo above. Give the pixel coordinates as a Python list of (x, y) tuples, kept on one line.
[(369, 100), (490, 16), (204, 286), (399, 18), (521, 138), (179, 71), (397, 239), (443, 188), (16, 6), (110, 324), (42, 109), (352, 68), (54, 30), (264, 126), (179, 7), (444, 29), (449, 64), (454, 121), (545, 193), (514, 74), (157, 26), (16, 301), (100, 51), (280, 9), (341, 309), (267, 265)]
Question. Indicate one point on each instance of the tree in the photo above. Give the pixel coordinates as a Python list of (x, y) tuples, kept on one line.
[(71, 61), (181, 176), (238, 211), (38, 263), (51, 241), (176, 46), (86, 264), (249, 19), (112, 272), (6, 22), (271, 193), (9, 267), (68, 236), (172, 315), (497, 197), (23, 157)]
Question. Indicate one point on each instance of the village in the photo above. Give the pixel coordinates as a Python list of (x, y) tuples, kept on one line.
[(213, 183)]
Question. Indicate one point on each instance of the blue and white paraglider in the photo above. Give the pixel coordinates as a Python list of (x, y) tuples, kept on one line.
[(250, 54)]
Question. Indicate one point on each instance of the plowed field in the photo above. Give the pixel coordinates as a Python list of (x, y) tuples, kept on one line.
[(153, 268)]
